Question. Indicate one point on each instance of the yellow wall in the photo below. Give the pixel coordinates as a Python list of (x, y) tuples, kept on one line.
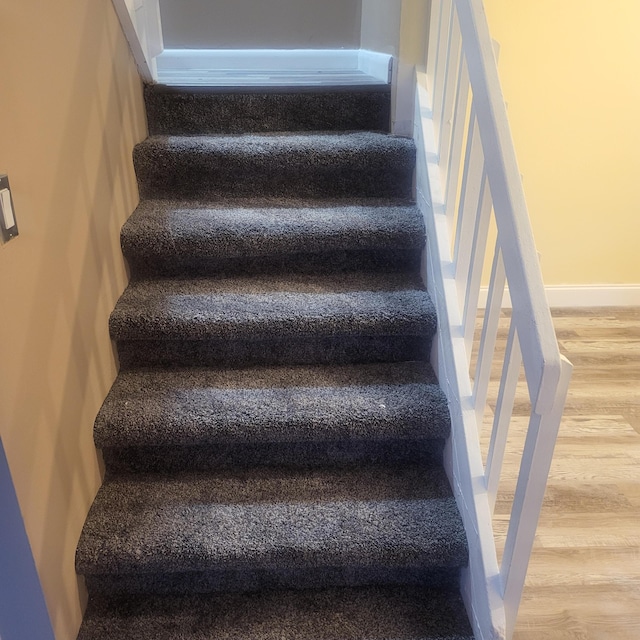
[(70, 112), (570, 77)]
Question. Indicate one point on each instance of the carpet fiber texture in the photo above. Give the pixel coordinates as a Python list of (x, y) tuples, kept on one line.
[(235, 236), (310, 165), (172, 111), (273, 442)]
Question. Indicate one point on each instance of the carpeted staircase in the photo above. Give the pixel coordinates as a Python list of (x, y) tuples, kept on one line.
[(273, 442)]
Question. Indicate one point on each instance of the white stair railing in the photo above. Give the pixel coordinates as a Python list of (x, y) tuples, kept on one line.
[(468, 182)]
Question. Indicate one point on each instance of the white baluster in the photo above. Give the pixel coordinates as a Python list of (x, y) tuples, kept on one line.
[(457, 138), (470, 194), (476, 262), (489, 334), (440, 71), (449, 95), (502, 417)]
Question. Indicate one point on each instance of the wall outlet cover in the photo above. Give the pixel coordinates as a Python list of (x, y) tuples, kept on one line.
[(8, 224)]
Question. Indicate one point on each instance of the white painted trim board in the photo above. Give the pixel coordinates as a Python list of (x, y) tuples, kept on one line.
[(576, 296)]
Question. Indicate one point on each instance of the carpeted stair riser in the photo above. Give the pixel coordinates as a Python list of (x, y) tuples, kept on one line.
[(277, 351), (353, 165), (375, 613), (201, 310), (292, 455), (184, 111), (257, 580), (186, 265), (167, 238)]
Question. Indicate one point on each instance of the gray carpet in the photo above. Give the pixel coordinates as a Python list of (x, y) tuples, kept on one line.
[(235, 236), (172, 111), (310, 165), (285, 404), (373, 613), (273, 442)]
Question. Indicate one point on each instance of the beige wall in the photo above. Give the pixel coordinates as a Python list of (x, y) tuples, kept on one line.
[(570, 77), (380, 25), (70, 111), (268, 24)]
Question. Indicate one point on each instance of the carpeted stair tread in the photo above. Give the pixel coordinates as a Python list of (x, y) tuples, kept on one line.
[(371, 613), (259, 308), (312, 165), (200, 111), (187, 407), (273, 519), (187, 234)]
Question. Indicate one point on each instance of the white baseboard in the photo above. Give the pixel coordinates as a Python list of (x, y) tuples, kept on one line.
[(378, 65), (599, 295), (371, 63)]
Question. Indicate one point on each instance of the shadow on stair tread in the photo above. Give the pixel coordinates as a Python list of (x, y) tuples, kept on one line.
[(367, 521), (172, 419), (381, 402), (169, 238)]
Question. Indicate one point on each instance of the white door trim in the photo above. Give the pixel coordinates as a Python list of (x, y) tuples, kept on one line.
[(140, 20)]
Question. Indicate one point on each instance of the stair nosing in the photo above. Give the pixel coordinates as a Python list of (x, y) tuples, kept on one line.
[(206, 308)]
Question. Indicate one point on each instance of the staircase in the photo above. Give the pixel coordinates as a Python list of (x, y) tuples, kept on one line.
[(273, 442)]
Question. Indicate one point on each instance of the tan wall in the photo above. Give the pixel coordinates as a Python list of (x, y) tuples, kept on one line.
[(70, 111), (267, 24), (380, 25), (570, 77)]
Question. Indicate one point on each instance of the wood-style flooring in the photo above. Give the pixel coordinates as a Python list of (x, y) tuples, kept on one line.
[(584, 575)]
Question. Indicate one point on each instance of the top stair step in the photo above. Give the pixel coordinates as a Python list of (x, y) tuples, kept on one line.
[(192, 110)]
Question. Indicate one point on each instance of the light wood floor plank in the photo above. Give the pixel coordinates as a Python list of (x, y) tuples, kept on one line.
[(584, 574)]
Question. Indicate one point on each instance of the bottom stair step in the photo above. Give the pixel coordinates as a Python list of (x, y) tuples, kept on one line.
[(272, 528), (374, 613)]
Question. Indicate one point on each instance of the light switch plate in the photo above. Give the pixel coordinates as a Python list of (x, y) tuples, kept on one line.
[(8, 224)]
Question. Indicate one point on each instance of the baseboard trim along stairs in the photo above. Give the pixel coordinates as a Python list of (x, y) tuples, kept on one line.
[(582, 296), (273, 442)]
